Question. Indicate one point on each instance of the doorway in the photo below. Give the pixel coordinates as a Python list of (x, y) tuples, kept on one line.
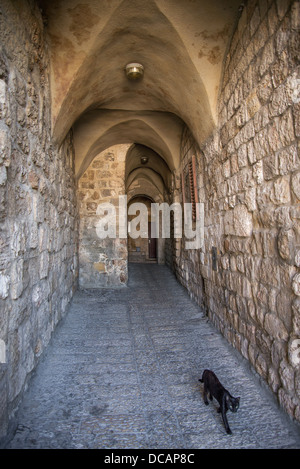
[(152, 242), (144, 247)]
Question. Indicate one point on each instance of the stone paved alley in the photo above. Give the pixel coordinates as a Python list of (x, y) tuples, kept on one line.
[(122, 371)]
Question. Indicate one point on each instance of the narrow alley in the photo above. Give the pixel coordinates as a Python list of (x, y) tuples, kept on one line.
[(122, 371)]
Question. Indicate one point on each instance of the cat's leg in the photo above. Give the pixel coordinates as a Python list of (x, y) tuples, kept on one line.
[(223, 411), (205, 395), (226, 422)]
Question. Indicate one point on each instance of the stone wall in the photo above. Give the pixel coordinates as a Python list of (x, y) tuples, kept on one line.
[(38, 217), (251, 174), (187, 262), (102, 262)]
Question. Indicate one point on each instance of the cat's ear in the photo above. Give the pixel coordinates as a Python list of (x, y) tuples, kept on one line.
[(238, 399)]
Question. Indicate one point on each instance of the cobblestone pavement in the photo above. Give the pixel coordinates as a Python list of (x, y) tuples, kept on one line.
[(122, 371)]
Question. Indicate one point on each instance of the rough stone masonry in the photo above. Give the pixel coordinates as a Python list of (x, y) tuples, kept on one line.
[(38, 215), (249, 181), (244, 167)]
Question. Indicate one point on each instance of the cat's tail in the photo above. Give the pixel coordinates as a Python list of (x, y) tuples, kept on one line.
[(201, 380)]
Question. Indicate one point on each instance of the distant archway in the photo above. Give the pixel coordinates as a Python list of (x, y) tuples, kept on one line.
[(143, 248)]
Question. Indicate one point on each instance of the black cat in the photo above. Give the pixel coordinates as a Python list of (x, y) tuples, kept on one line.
[(213, 388)]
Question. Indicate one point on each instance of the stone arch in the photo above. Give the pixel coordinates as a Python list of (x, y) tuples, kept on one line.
[(148, 179), (97, 130), (96, 78), (142, 159), (149, 248), (147, 182)]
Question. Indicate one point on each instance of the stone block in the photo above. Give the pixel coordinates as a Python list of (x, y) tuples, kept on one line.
[(228, 223), (242, 116), (38, 207), (270, 167), (295, 184), (4, 286), (44, 265), (294, 353), (296, 284), (242, 156), (3, 88), (279, 101), (258, 172), (265, 89), (273, 380), (273, 137), (296, 115), (226, 169), (251, 153), (44, 237), (285, 127), (286, 401), (252, 103), (286, 374), (286, 245), (280, 69), (269, 273), (275, 327), (296, 315), (288, 160), (261, 366), (3, 175), (282, 6), (238, 221), (267, 58), (281, 191), (250, 199), (17, 278), (33, 180), (242, 220), (5, 147), (247, 288)]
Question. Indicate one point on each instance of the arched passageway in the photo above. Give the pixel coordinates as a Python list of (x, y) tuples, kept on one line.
[(211, 125), (142, 248), (116, 195)]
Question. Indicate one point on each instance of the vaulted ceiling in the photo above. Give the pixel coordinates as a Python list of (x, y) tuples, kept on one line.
[(180, 43)]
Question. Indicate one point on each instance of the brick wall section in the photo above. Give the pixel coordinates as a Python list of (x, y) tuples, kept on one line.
[(251, 173), (38, 217)]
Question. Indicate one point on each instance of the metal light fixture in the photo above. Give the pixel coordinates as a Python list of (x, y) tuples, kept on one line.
[(134, 71)]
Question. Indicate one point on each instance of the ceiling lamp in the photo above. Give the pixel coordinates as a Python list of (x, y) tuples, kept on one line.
[(134, 71)]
